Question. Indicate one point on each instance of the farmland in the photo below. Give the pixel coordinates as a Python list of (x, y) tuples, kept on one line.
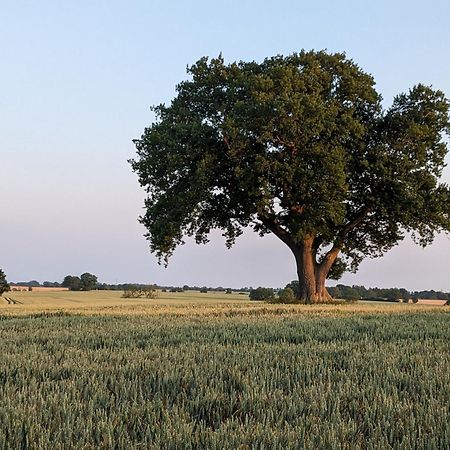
[(92, 370)]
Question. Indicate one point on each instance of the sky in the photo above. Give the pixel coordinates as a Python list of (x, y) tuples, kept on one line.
[(77, 80)]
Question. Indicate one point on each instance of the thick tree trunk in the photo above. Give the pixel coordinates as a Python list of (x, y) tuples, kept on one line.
[(311, 275)]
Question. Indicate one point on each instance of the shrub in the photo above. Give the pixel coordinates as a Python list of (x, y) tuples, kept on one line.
[(286, 295), (261, 293), (140, 291)]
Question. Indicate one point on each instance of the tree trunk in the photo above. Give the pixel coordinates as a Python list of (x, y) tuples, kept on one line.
[(311, 275)]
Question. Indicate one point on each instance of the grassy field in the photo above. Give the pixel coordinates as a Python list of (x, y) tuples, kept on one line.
[(189, 370), (179, 303)]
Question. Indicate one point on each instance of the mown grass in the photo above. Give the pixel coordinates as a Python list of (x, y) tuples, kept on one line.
[(275, 378)]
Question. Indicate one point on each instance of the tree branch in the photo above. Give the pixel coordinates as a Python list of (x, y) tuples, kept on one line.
[(288, 145), (355, 222), (332, 254), (274, 226)]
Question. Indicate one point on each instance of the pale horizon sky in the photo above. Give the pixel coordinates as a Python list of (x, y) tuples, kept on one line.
[(78, 79)]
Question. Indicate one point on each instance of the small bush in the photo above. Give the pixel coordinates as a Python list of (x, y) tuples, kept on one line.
[(286, 295), (140, 291), (261, 293)]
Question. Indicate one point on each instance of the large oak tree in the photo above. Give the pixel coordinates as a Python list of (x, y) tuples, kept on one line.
[(301, 147)]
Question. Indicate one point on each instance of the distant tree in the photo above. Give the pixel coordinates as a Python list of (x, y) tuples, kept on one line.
[(4, 286), (295, 286), (88, 281), (394, 294), (348, 292), (131, 291), (405, 295), (334, 292), (301, 147), (286, 295), (72, 282), (176, 289), (50, 284), (262, 293)]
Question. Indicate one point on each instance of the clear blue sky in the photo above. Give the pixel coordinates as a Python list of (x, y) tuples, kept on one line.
[(77, 79)]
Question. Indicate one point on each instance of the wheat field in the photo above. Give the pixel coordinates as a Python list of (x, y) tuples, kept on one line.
[(216, 371)]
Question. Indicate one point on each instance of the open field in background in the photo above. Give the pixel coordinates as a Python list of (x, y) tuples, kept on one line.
[(217, 371), (183, 303)]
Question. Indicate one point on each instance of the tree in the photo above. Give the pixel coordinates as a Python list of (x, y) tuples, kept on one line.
[(300, 147), (72, 282), (4, 286), (261, 293), (286, 295), (88, 281)]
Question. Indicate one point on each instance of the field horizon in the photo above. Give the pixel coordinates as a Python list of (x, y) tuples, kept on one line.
[(183, 303)]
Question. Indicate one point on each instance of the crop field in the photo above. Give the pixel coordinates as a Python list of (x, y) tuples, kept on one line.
[(92, 370)]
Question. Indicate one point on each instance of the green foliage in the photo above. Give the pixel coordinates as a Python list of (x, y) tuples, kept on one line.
[(135, 291), (262, 293), (299, 146), (432, 294), (176, 289), (294, 285), (72, 282), (4, 286), (88, 281), (287, 295), (269, 381), (360, 292)]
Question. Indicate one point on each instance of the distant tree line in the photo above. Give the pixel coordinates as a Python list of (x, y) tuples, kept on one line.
[(288, 294), (79, 283), (355, 292)]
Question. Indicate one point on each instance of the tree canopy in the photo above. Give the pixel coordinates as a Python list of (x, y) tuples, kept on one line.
[(299, 146), (85, 282)]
